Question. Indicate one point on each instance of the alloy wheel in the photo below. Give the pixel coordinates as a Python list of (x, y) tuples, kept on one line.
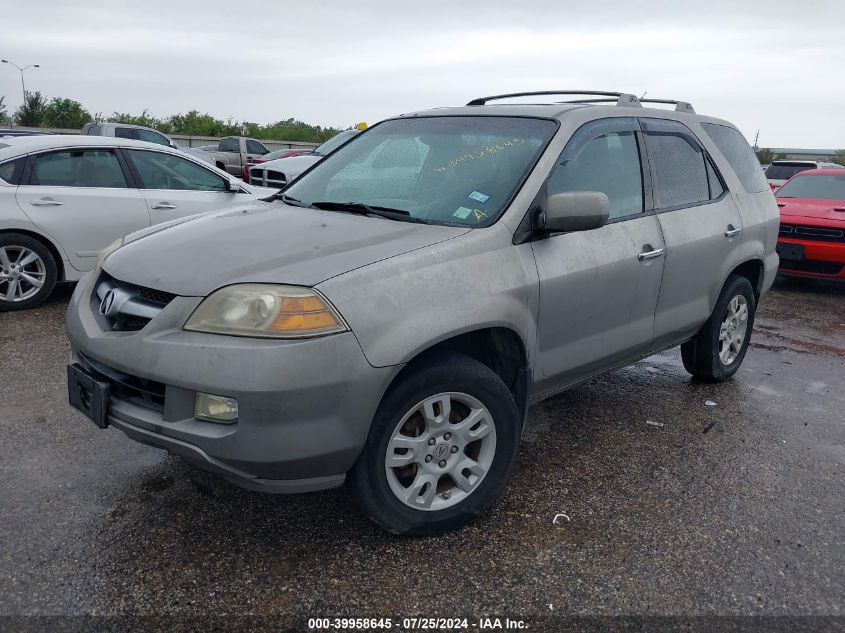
[(440, 451), (733, 330), (22, 273)]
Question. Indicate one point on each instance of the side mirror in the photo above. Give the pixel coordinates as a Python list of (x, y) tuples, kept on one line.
[(233, 185), (575, 211)]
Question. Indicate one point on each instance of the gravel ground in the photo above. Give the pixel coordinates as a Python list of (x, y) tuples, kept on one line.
[(735, 508)]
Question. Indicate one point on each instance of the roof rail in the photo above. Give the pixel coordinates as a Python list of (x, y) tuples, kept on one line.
[(622, 99), (680, 106)]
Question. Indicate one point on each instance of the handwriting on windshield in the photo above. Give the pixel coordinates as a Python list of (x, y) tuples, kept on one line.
[(488, 150)]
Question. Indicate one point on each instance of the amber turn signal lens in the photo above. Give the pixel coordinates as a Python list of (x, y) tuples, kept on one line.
[(303, 321), (302, 304)]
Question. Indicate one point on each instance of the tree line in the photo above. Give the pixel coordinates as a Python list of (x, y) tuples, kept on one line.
[(38, 110), (766, 156)]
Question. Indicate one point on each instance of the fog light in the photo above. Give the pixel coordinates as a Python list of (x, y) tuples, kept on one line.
[(215, 408)]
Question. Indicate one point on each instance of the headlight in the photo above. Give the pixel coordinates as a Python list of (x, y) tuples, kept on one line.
[(108, 250), (267, 311)]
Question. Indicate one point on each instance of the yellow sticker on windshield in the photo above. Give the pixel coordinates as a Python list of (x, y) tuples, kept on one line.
[(485, 151)]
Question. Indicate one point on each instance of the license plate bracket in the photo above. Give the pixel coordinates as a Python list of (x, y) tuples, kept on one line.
[(89, 395), (792, 252)]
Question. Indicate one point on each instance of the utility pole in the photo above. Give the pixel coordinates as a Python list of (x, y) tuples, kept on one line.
[(23, 86), (756, 136)]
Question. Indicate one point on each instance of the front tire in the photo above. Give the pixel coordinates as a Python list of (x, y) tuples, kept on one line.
[(27, 272), (717, 351), (441, 448)]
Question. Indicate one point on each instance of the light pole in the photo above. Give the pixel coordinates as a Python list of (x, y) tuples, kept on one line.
[(23, 86)]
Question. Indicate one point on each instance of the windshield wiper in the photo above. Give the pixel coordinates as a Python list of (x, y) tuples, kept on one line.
[(287, 199), (366, 209)]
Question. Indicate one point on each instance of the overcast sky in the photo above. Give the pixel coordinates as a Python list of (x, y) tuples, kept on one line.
[(776, 66)]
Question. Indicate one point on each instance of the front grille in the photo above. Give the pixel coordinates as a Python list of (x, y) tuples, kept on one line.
[(124, 307), (155, 296), (812, 233), (133, 389), (267, 178)]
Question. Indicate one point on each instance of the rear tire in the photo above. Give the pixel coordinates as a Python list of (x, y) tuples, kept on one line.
[(28, 272), (452, 415), (717, 351)]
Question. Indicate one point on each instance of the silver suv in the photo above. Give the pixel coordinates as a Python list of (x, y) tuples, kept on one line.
[(388, 319)]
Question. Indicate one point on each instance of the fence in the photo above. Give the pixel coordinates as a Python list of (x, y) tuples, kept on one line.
[(196, 141)]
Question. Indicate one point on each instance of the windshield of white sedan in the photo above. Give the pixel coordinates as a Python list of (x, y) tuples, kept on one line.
[(822, 187), (442, 170)]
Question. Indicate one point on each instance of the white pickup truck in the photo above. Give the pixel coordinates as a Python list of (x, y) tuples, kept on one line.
[(233, 152)]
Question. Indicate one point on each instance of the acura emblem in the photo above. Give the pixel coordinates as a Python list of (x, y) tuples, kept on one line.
[(111, 303), (107, 303)]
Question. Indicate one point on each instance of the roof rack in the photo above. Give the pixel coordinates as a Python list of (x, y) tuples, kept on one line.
[(620, 98)]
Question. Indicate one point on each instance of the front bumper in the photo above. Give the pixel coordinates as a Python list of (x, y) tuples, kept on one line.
[(824, 260), (305, 407)]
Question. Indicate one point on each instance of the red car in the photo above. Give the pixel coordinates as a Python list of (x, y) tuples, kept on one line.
[(280, 153), (812, 224)]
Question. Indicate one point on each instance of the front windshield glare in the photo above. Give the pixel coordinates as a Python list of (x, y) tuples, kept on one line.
[(334, 142), (823, 187), (443, 170)]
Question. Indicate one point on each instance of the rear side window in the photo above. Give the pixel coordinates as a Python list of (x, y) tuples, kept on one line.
[(78, 168), (679, 164), (125, 132), (785, 171), (716, 186), (738, 153), (11, 171), (603, 156)]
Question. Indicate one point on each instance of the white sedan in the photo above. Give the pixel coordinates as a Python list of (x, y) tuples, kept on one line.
[(65, 198)]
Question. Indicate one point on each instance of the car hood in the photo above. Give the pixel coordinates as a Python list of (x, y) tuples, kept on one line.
[(264, 242), (293, 165), (812, 208)]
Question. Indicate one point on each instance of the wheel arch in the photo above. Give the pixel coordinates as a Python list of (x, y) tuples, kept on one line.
[(753, 270), (48, 243), (497, 347)]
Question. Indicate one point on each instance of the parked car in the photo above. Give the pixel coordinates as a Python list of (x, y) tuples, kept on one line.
[(139, 133), (392, 327), (233, 152), (782, 170), (125, 130), (812, 224), (278, 173), (280, 153), (63, 198), (12, 132)]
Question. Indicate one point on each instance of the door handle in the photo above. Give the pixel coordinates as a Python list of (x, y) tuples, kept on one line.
[(732, 232), (650, 254), (164, 205), (46, 202)]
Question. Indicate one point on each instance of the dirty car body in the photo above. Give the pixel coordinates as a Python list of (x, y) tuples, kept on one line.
[(491, 256)]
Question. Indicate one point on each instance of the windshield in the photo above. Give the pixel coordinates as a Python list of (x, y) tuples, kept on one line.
[(785, 171), (444, 170), (334, 142), (823, 187)]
